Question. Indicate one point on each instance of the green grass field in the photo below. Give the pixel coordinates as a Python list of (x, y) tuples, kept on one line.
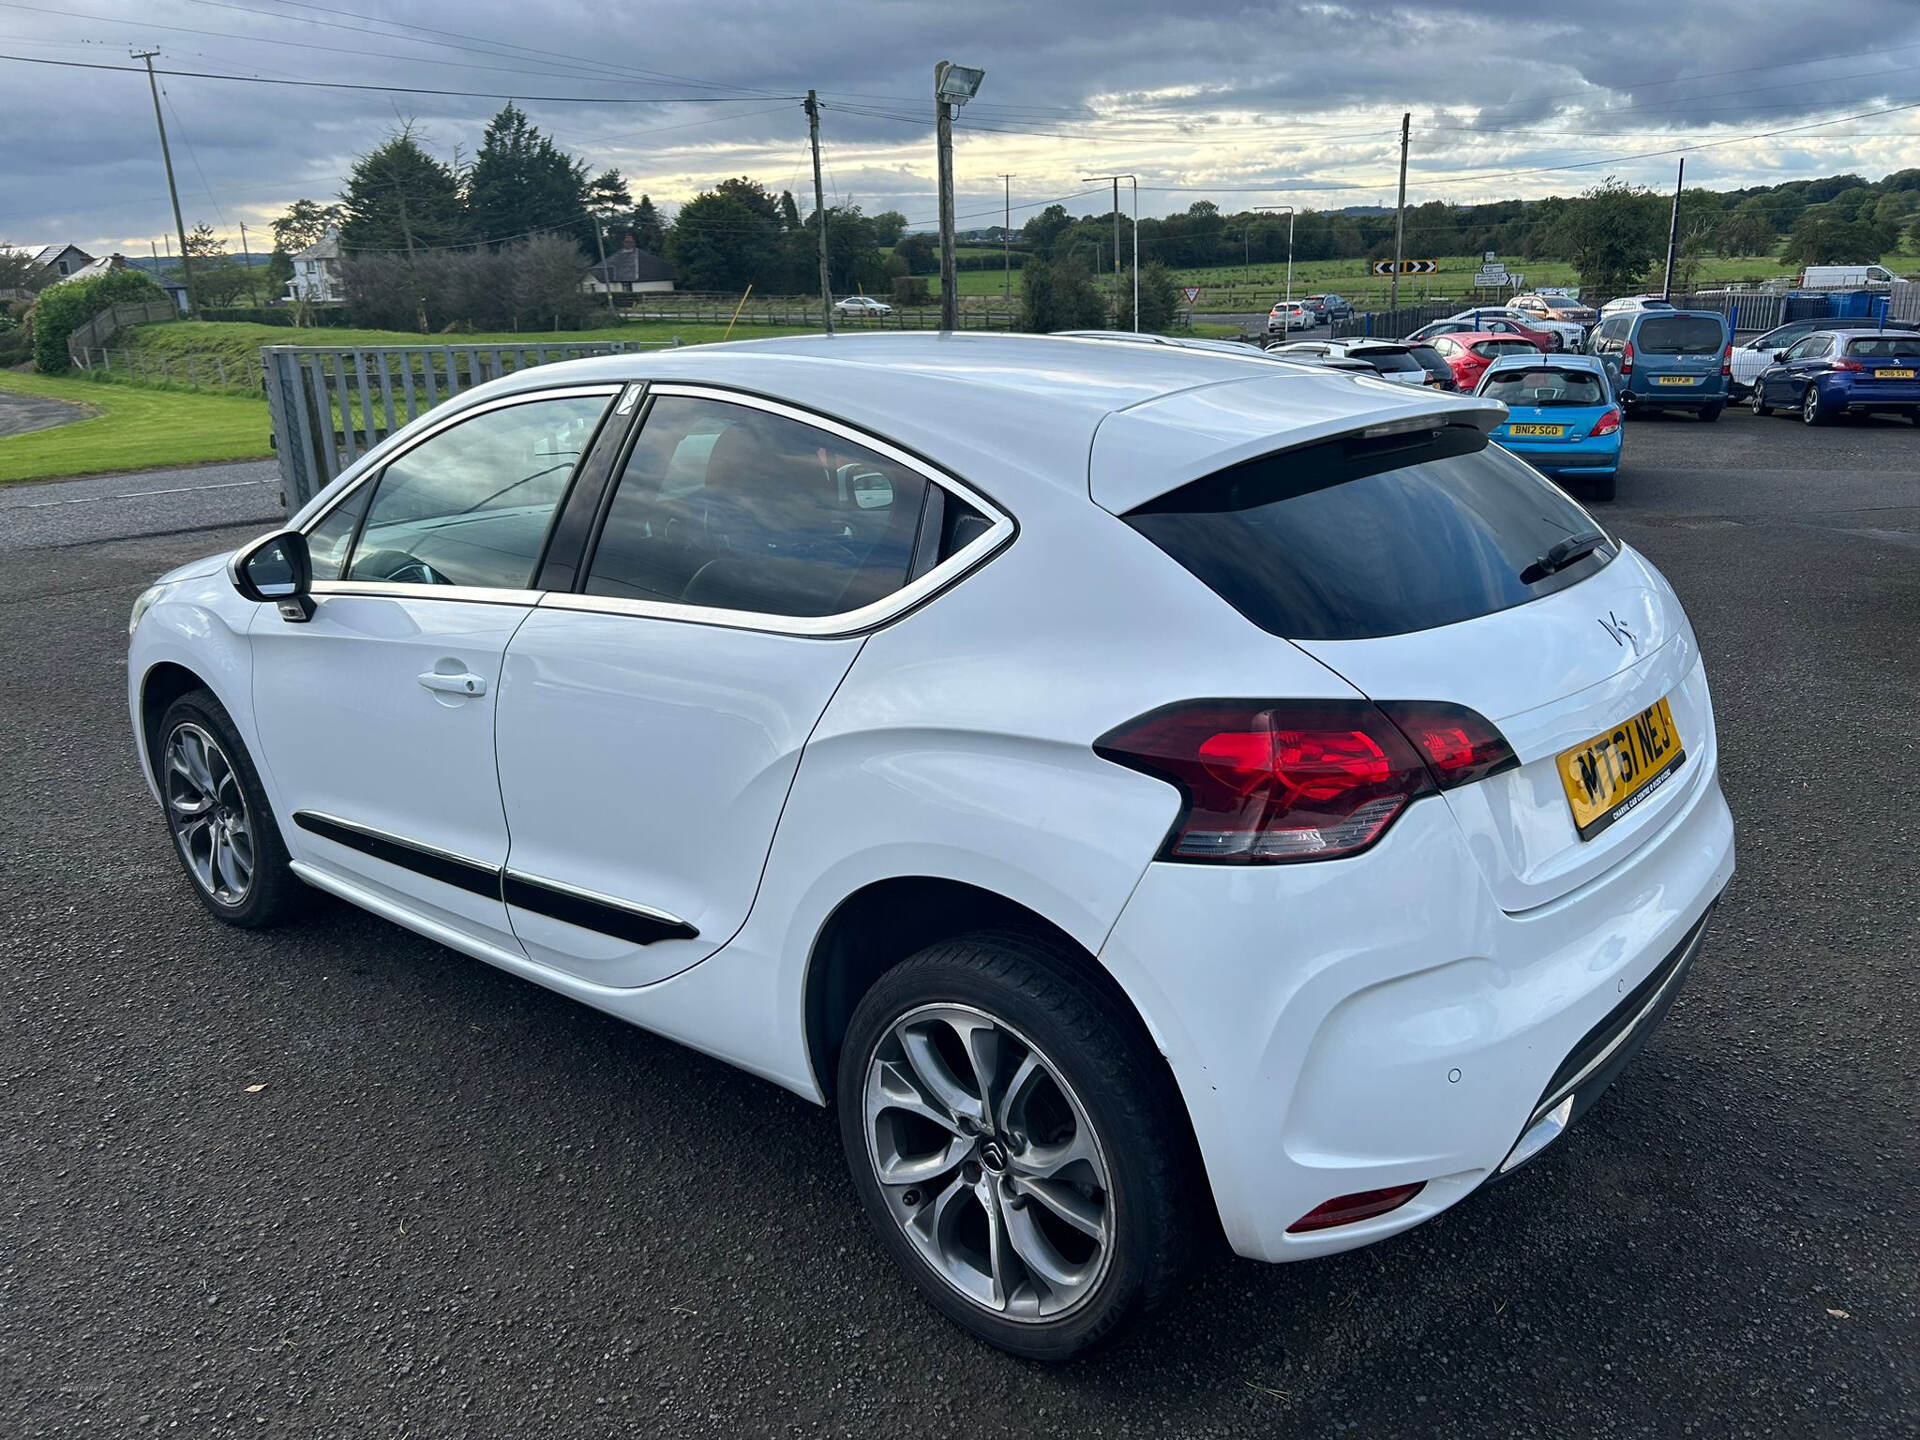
[(134, 429)]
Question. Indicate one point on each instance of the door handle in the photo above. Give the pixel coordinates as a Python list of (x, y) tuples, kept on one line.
[(465, 683)]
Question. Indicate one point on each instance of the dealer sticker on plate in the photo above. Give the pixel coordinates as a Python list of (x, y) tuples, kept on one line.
[(1609, 776)]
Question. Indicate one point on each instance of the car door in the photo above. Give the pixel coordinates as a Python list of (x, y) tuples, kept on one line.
[(651, 723), (376, 716), (1792, 375)]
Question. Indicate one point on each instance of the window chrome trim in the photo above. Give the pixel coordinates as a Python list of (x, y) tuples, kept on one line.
[(1001, 530), (393, 590), (447, 422)]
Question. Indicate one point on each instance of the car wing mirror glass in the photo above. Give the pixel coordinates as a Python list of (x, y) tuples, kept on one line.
[(1779, 354), (277, 570)]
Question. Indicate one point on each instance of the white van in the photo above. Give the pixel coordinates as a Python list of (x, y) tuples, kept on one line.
[(1843, 277)]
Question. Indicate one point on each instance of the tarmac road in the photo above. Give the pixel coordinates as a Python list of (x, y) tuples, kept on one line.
[(461, 1206)]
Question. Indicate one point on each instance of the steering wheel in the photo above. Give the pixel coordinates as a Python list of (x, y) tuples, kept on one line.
[(398, 567)]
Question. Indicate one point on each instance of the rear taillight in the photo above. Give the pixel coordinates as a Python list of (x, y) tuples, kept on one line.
[(1300, 780), (1459, 745), (1848, 365), (1726, 360), (1626, 359), (1607, 423)]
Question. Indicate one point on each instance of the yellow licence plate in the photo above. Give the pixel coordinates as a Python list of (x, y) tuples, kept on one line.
[(1611, 774), (1893, 374), (1674, 379), (1556, 431)]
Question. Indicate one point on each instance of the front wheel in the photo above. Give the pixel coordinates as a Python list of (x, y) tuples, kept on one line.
[(1017, 1145), (223, 829), (1810, 411), (1757, 401)]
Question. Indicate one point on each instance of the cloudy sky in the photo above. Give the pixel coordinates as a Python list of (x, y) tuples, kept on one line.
[(1241, 103)]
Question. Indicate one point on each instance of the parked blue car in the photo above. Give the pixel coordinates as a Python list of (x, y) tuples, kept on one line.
[(1834, 373), (1666, 359), (1561, 417)]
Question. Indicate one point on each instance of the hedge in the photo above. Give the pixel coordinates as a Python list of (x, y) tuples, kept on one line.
[(65, 307)]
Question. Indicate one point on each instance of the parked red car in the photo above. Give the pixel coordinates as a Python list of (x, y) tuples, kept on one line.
[(1470, 352), (1546, 340)]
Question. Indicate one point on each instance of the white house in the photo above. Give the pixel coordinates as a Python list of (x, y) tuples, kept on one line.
[(316, 271), (629, 271)]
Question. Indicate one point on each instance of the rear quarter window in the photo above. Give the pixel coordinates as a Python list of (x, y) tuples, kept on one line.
[(1680, 335), (1353, 539)]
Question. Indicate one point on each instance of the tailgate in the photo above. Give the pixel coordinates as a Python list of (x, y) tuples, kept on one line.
[(1552, 674)]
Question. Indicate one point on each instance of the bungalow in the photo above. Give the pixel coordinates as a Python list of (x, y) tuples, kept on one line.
[(316, 271), (628, 271), (62, 260), (176, 292)]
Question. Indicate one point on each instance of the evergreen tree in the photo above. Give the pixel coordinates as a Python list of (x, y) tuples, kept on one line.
[(523, 184), (1060, 295), (649, 230), (727, 238), (608, 198), (400, 198)]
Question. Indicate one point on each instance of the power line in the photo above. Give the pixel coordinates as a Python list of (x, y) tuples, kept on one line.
[(399, 89)]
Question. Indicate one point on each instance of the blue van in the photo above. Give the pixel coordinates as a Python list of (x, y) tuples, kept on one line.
[(1666, 360)]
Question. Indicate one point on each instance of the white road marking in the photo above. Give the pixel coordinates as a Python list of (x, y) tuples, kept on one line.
[(137, 494)]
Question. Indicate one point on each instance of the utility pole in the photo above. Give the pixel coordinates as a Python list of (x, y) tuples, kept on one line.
[(600, 244), (952, 85), (820, 210), (1006, 236), (179, 225), (1673, 229), (1134, 181), (1400, 213), (246, 255)]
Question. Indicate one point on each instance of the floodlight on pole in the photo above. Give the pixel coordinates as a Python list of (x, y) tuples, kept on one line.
[(952, 85), (1289, 210), (1134, 181)]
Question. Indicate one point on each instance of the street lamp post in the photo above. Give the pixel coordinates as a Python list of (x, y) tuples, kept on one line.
[(1134, 181), (953, 86), (1289, 210)]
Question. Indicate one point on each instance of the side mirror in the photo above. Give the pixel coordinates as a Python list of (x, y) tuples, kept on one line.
[(277, 570), (1779, 354)]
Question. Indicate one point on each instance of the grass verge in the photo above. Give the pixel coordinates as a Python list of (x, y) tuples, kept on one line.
[(134, 429)]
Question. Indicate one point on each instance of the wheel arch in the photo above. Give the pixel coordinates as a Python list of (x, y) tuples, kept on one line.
[(163, 683)]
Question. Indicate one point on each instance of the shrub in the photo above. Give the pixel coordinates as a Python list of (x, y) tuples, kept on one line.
[(64, 308), (1060, 295), (909, 290)]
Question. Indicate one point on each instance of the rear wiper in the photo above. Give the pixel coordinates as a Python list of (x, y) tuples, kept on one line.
[(1563, 553)]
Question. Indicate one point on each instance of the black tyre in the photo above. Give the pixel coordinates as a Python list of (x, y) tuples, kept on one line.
[(1711, 413), (1810, 411), (223, 829), (1018, 1145), (1756, 402)]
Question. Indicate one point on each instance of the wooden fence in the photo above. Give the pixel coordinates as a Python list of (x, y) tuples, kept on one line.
[(111, 321), (203, 372), (330, 404)]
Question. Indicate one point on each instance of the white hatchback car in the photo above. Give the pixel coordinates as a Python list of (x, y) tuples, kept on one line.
[(1149, 793), (861, 305)]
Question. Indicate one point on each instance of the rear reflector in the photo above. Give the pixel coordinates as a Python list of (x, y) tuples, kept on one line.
[(1361, 1205)]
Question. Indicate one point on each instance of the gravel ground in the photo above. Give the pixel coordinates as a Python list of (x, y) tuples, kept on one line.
[(338, 1181), (21, 413)]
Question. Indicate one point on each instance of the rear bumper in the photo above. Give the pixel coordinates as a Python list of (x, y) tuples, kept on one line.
[(1372, 1022), (1574, 461), (1859, 399), (1675, 397)]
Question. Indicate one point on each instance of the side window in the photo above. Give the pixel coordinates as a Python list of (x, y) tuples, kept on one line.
[(327, 541), (1805, 349), (473, 504), (734, 508)]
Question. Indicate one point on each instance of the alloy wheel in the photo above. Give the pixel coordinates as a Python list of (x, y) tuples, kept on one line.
[(208, 813), (988, 1162), (1810, 406)]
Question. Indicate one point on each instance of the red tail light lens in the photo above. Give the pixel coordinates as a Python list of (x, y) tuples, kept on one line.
[(1607, 423), (1274, 784), (1726, 360), (1626, 359), (1361, 1205), (1848, 365), (1459, 745)]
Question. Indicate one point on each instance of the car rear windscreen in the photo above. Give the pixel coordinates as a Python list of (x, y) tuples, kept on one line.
[(1356, 538), (1884, 347), (1493, 349), (1680, 335), (1545, 385), (1386, 361)]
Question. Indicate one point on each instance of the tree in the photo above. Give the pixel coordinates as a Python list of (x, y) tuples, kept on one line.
[(888, 227), (1748, 230), (217, 279), (607, 198), (727, 239), (303, 223), (1060, 295), (1820, 238), (1159, 300), (649, 230), (523, 184), (401, 199), (63, 308), (919, 251), (18, 272), (1613, 234), (1043, 229)]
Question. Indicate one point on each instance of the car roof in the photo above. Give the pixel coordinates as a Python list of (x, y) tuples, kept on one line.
[(1558, 361), (1853, 333), (1044, 397)]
